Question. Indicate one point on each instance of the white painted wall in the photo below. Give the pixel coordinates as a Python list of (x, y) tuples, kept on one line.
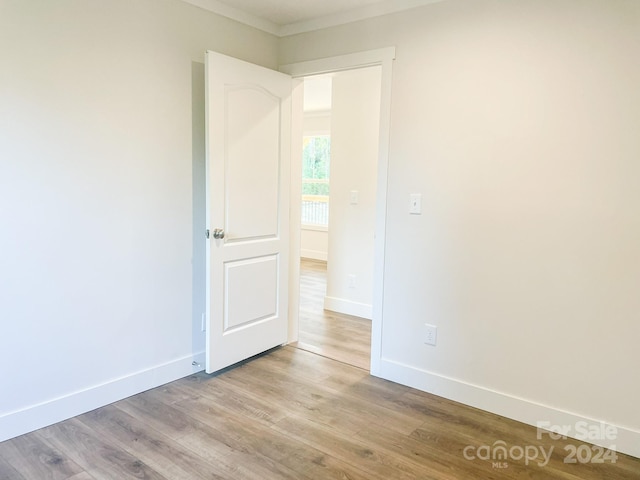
[(314, 241), (102, 198), (317, 123), (518, 123), (355, 123)]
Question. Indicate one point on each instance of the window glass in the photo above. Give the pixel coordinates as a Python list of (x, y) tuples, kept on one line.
[(315, 180)]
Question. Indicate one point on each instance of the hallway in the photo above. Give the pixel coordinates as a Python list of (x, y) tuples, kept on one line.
[(333, 335)]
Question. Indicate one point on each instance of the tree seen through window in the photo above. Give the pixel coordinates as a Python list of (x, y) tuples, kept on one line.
[(316, 155)]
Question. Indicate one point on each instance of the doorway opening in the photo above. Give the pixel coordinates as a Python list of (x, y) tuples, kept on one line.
[(267, 204), (341, 128), (330, 334)]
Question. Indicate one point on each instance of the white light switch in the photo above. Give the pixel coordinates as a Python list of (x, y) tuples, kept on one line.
[(354, 197), (415, 204)]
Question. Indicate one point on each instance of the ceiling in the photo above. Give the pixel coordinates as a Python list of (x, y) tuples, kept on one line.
[(283, 12), (288, 17)]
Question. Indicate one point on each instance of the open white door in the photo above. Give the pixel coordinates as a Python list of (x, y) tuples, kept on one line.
[(248, 179)]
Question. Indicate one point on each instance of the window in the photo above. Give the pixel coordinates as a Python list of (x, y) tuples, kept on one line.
[(315, 180)]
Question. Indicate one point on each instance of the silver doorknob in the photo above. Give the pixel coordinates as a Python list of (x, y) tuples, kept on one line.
[(218, 233)]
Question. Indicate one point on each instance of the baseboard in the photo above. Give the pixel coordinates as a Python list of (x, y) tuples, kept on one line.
[(348, 307), (47, 413), (625, 440), (313, 254)]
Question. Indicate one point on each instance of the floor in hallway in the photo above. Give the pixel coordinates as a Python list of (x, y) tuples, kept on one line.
[(332, 335)]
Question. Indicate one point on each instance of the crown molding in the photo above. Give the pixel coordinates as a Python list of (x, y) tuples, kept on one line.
[(355, 15), (238, 15), (370, 11)]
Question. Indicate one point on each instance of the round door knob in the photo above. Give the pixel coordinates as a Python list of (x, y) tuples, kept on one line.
[(218, 233)]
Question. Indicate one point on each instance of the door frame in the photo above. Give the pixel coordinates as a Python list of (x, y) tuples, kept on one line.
[(384, 58)]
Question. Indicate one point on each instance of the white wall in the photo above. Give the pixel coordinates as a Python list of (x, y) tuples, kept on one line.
[(355, 124), (314, 242), (317, 123), (102, 198), (518, 121)]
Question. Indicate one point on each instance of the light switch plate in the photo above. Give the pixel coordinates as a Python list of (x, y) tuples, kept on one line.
[(415, 204), (353, 197)]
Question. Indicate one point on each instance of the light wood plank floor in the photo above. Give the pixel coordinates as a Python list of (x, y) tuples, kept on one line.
[(289, 414), (333, 335)]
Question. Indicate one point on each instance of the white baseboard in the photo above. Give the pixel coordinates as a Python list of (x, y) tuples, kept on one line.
[(348, 307), (47, 413), (313, 254), (626, 440)]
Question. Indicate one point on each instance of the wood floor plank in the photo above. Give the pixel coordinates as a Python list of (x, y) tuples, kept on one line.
[(150, 446), (220, 438), (331, 348), (258, 439), (363, 386), (444, 450), (303, 460), (340, 337), (315, 464), (7, 472), (241, 432), (101, 459), (318, 401), (254, 407), (153, 408), (34, 459), (322, 405), (256, 452), (350, 450), (291, 360), (442, 461)]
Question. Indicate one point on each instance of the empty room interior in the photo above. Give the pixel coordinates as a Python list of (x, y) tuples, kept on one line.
[(364, 239)]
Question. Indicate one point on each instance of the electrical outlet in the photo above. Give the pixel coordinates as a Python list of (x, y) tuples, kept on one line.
[(203, 323), (430, 334), (351, 281)]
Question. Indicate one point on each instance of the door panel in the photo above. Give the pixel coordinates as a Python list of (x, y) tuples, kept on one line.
[(248, 179), (259, 276), (253, 161)]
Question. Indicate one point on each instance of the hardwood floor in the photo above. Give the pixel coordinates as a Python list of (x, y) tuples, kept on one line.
[(295, 414), (288, 414), (333, 335)]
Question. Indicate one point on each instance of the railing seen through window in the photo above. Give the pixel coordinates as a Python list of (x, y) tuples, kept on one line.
[(315, 180)]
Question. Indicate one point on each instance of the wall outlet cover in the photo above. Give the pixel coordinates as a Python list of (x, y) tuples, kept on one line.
[(430, 334)]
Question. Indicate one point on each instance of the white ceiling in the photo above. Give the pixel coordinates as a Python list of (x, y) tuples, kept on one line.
[(288, 17), (283, 12)]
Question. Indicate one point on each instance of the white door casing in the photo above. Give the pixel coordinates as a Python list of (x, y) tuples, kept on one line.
[(248, 179), (383, 57)]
